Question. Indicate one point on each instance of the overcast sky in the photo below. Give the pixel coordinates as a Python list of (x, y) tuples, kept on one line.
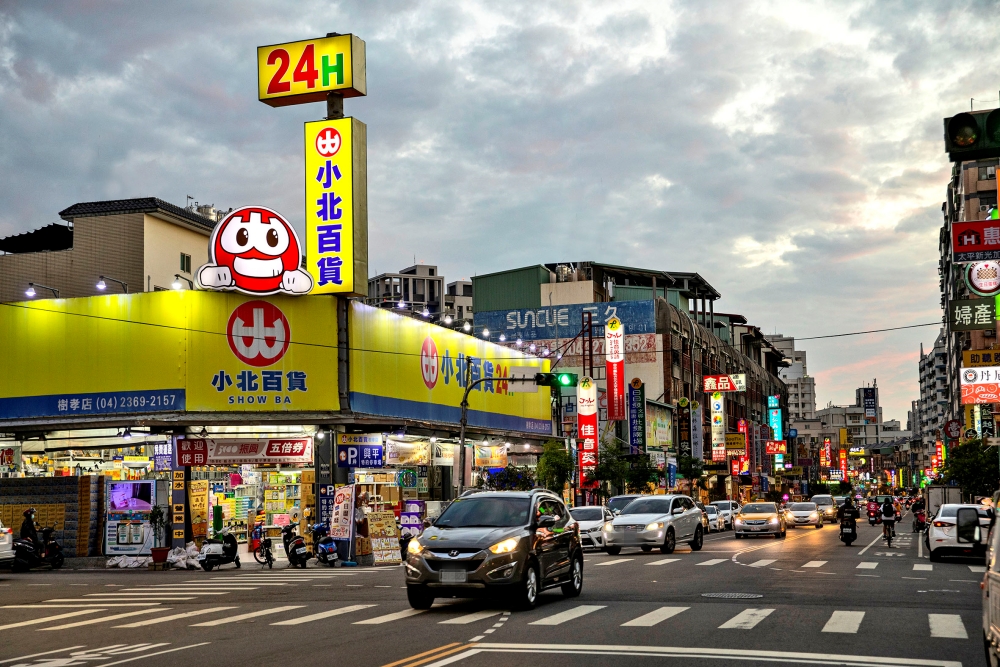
[(789, 152)]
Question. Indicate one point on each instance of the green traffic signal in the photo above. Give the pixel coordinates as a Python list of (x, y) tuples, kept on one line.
[(972, 136), (556, 379)]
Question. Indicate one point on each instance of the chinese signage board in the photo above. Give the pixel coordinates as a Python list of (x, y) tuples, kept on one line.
[(980, 358), (163, 456), (614, 361), (869, 401), (412, 369), (586, 415), (774, 421), (491, 456), (972, 314), (400, 453), (326, 496), (975, 240), (736, 443), (712, 383), (983, 278), (773, 401), (359, 450), (772, 447), (307, 70), (342, 514), (684, 428), (443, 454), (337, 206), (235, 451), (824, 453), (718, 428), (637, 416), (697, 431), (980, 385), (384, 537)]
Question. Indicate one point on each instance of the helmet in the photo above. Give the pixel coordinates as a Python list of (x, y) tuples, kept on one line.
[(28, 512)]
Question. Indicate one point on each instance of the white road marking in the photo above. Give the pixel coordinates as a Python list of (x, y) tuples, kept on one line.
[(569, 614), (77, 603), (870, 544), (714, 561), (763, 563), (35, 655), (948, 626), (815, 563), (389, 618), (746, 619), (324, 614), (867, 565), (614, 562), (172, 617), (471, 618), (102, 620), (923, 567), (36, 621), (654, 617), (977, 568), (664, 561), (844, 621), (158, 598), (150, 655), (143, 595), (243, 617)]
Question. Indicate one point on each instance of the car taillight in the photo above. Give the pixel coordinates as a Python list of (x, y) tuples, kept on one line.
[(943, 524)]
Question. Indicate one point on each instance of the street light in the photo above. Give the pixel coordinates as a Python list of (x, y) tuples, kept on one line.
[(30, 292), (486, 333), (101, 285), (502, 338), (467, 327), (425, 312), (177, 284), (447, 319)]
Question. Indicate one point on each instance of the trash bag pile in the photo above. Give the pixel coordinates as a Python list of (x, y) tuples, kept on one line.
[(186, 558), (128, 562)]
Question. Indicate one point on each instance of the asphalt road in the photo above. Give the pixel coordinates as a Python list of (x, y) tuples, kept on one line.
[(814, 601)]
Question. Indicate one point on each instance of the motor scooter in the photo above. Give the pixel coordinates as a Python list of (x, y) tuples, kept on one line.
[(919, 521), (295, 547), (326, 548), (848, 531), (28, 555), (217, 552)]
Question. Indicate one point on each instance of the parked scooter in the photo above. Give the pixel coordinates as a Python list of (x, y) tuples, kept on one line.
[(326, 548), (217, 552), (28, 555), (295, 547), (919, 521), (848, 531)]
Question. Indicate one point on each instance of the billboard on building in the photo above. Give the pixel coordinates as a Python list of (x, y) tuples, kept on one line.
[(975, 240), (308, 70), (409, 368), (980, 385), (972, 314)]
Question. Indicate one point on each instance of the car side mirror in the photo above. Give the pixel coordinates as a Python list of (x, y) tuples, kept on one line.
[(428, 523), (678, 510), (546, 521)]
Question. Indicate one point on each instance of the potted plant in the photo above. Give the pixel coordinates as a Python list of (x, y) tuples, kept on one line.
[(158, 521)]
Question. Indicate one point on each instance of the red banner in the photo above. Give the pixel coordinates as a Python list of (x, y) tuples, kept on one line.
[(614, 359), (775, 447), (734, 466), (233, 451), (843, 461)]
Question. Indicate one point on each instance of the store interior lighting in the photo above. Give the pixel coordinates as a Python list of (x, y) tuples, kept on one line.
[(466, 326), (401, 305), (486, 333), (447, 319), (502, 338), (520, 342), (426, 313)]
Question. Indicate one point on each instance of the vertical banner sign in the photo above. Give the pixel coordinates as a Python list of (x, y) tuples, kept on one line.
[(684, 428), (614, 359), (586, 415), (824, 453), (843, 462), (337, 206), (718, 427), (869, 400), (697, 431), (774, 421), (637, 416)]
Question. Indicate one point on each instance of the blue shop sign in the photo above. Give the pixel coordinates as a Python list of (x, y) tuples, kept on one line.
[(359, 456)]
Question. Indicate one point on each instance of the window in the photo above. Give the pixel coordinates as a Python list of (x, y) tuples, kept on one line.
[(185, 263), (467, 290), (988, 173)]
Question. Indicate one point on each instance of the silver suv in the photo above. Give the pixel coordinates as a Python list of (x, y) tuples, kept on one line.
[(504, 543)]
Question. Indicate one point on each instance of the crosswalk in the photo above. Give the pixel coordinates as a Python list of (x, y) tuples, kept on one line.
[(821, 566), (725, 618)]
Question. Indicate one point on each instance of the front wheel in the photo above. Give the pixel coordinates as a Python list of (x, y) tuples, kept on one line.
[(935, 558), (260, 556), (646, 548), (698, 541), (237, 561), (527, 592), (57, 561), (574, 586), (207, 566), (991, 655), (669, 542), (613, 551), (419, 597), (818, 526)]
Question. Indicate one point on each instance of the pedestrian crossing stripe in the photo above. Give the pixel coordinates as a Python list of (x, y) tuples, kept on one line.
[(713, 561), (746, 619)]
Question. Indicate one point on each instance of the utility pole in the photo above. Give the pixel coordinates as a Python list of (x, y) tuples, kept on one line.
[(464, 421)]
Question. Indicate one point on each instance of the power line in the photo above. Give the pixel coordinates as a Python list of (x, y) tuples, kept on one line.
[(858, 333)]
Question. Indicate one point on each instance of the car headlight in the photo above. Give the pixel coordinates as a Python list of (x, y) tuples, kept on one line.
[(738, 520), (414, 547), (814, 515), (505, 546), (774, 519), (608, 527), (654, 526)]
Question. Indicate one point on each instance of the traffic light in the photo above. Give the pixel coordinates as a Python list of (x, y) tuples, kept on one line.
[(972, 136), (556, 379)]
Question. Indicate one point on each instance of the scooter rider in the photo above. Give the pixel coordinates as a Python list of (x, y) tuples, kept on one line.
[(848, 511), (28, 530)]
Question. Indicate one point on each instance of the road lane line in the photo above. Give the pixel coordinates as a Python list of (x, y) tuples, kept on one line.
[(923, 567), (241, 617), (150, 655), (325, 614), (103, 619), (46, 619), (870, 544), (948, 626), (867, 565), (172, 617), (569, 614), (714, 561), (472, 618), (664, 561), (846, 622), (763, 563), (654, 617), (815, 563), (614, 562), (35, 655), (76, 603), (746, 619), (388, 618), (977, 568)]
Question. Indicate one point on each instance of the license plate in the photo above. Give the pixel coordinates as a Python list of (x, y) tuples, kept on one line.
[(201, 556), (300, 550), (848, 530), (454, 576), (756, 528)]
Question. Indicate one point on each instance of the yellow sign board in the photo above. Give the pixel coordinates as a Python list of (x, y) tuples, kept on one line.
[(491, 457), (307, 70), (167, 352), (978, 358), (736, 441), (408, 368), (337, 206)]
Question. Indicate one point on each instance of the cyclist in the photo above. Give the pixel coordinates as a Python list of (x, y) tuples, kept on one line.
[(888, 518)]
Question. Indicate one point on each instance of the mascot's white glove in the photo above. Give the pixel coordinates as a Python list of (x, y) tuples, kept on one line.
[(297, 281), (212, 275)]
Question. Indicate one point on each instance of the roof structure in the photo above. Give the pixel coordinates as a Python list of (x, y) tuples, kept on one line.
[(45, 239), (139, 205)]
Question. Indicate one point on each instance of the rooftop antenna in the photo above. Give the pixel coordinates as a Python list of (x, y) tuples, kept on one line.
[(188, 202)]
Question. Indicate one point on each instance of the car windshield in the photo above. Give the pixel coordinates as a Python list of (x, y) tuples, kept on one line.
[(486, 512), (619, 503), (759, 508), (823, 501), (722, 504), (804, 507), (587, 513), (648, 506), (711, 509), (948, 511)]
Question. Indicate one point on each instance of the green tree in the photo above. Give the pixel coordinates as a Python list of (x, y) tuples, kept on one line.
[(611, 469), (511, 478), (554, 466), (974, 467), (691, 468), (641, 473)]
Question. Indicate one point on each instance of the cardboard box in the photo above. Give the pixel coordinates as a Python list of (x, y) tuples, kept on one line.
[(362, 546)]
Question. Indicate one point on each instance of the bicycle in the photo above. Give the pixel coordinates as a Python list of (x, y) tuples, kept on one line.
[(887, 531), (262, 554)]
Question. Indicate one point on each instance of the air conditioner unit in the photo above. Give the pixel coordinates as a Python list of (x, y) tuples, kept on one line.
[(984, 208), (989, 333)]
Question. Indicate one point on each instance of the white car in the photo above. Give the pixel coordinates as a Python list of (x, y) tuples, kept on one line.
[(728, 509), (715, 520), (958, 530), (803, 514), (655, 521), (6, 546), (827, 507), (591, 519)]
